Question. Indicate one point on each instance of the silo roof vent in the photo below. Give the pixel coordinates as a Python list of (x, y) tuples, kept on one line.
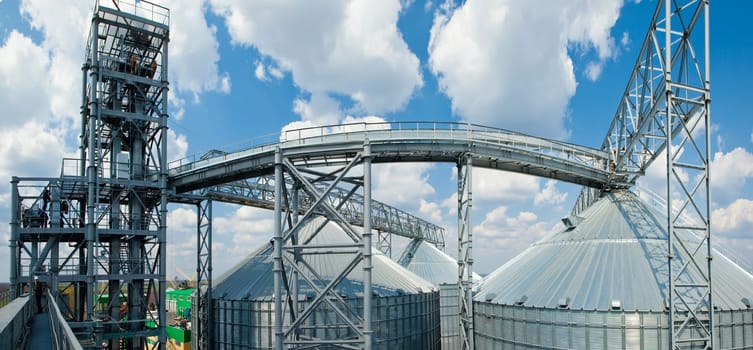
[(564, 303), (571, 222)]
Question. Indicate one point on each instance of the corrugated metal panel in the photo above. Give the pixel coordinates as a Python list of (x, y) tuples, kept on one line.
[(253, 277), (430, 263), (616, 252), (400, 322)]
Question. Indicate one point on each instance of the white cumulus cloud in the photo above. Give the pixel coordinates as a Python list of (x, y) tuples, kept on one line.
[(506, 63), (734, 218), (729, 173), (550, 195), (344, 48)]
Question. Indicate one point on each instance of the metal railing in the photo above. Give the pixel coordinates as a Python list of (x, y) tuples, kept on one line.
[(5, 298), (63, 337), (401, 130), (143, 8), (13, 319)]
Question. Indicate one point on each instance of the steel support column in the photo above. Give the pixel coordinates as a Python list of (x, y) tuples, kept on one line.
[(204, 274), (291, 252), (15, 252), (688, 155), (366, 242), (465, 250), (277, 269)]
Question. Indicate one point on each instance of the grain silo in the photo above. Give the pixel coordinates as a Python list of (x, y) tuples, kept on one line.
[(602, 284), (435, 266), (405, 307)]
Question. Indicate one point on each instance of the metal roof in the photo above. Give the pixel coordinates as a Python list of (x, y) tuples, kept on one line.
[(432, 264), (616, 252), (253, 278)]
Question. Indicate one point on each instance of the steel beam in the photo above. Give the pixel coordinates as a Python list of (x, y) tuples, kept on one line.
[(465, 250), (291, 251), (402, 142), (205, 327), (386, 219), (665, 113)]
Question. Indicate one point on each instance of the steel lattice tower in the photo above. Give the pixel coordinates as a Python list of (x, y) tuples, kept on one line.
[(123, 154)]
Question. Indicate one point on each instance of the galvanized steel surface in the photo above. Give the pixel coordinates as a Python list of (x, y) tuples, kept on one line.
[(614, 258), (430, 263), (399, 322), (252, 278), (521, 327)]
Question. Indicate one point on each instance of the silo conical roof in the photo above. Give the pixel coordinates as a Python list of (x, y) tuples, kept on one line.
[(432, 264), (253, 278), (616, 252)]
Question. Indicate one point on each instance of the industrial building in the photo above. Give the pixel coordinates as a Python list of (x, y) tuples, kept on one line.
[(618, 274)]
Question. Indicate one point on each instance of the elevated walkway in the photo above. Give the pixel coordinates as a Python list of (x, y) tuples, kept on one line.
[(40, 335), (400, 142)]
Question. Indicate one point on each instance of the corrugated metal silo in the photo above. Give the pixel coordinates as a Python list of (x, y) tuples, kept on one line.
[(433, 265), (405, 307), (602, 285)]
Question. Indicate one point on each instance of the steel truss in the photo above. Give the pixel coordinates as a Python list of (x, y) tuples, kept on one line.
[(465, 250), (386, 220), (665, 112), (104, 243), (290, 267), (203, 326), (103, 222)]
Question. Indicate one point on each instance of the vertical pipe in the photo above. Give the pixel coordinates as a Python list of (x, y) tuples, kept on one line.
[(15, 203), (200, 342), (277, 269), (668, 140), (469, 251), (163, 171), (113, 307), (209, 326), (460, 295), (91, 171), (295, 286), (366, 244), (85, 113), (709, 252)]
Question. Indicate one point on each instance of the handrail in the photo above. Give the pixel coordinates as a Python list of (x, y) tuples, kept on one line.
[(62, 335), (13, 320), (393, 133)]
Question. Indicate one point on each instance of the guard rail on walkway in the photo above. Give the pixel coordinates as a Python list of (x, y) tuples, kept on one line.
[(13, 320), (63, 337)]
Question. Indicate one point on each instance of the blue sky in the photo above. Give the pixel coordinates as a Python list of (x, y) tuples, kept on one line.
[(241, 70)]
